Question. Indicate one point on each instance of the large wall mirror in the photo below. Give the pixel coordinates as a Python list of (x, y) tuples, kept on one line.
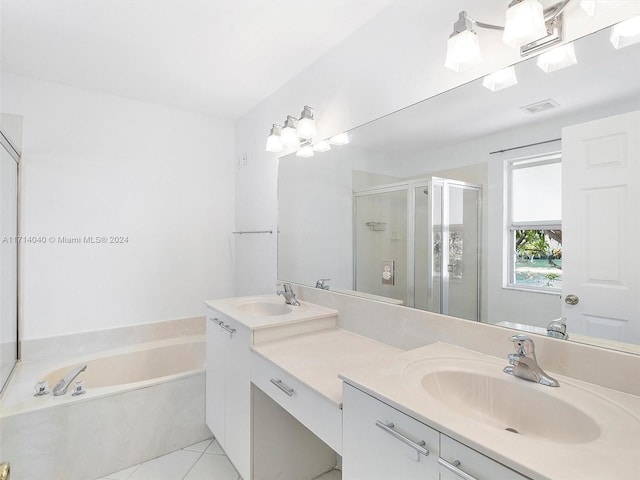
[(454, 205)]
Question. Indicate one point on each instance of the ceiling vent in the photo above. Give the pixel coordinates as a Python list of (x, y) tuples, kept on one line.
[(540, 106)]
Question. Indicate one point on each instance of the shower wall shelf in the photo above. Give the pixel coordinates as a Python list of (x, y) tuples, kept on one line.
[(377, 226)]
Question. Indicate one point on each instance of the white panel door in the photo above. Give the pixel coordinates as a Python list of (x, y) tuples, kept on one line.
[(601, 227)]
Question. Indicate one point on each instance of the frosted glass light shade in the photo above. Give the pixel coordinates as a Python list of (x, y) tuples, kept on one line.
[(323, 146), (463, 51), (307, 123), (305, 151), (340, 139), (501, 79), (626, 33), (524, 23), (588, 6), (274, 140), (290, 133), (560, 57)]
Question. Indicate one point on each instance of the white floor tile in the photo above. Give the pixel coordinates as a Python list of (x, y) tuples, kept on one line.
[(215, 448), (122, 474), (332, 475), (210, 467), (199, 447), (172, 466)]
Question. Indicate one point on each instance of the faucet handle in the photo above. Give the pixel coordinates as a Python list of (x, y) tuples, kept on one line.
[(524, 344)]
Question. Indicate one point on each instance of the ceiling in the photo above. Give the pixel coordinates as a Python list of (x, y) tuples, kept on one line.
[(216, 57)]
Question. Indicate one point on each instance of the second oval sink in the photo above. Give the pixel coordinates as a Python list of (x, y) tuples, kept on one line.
[(510, 405), (265, 308)]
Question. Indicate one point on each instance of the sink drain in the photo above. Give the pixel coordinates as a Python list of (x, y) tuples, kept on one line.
[(512, 430)]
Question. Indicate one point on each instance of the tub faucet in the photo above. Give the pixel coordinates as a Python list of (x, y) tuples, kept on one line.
[(558, 328), (524, 363), (63, 384), (289, 296)]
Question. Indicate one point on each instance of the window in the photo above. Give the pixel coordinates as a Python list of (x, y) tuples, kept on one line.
[(534, 224)]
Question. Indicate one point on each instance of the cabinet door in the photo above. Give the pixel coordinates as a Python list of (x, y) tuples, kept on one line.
[(214, 398), (461, 462), (237, 396), (380, 442)]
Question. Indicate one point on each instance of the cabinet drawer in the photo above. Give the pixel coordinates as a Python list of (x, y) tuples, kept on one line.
[(316, 412), (474, 465), (382, 443)]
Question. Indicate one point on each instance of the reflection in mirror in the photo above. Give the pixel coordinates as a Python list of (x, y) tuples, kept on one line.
[(469, 134), (8, 257)]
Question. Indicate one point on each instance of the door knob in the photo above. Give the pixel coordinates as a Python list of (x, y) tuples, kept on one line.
[(571, 299), (5, 471)]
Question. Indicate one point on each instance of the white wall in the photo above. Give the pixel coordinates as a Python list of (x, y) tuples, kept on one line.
[(101, 165), (393, 61)]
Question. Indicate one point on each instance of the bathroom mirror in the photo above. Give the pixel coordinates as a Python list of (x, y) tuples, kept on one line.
[(466, 136), (8, 256)]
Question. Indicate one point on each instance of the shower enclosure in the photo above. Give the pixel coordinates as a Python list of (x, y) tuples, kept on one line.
[(418, 242)]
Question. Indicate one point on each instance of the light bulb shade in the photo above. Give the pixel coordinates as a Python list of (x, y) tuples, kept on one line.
[(524, 23), (626, 33), (340, 139), (463, 51), (560, 57), (588, 6), (307, 123), (501, 79), (323, 146), (274, 140), (305, 151), (290, 133)]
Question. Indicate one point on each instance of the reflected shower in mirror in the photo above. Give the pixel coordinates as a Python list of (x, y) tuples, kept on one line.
[(468, 135), (9, 161)]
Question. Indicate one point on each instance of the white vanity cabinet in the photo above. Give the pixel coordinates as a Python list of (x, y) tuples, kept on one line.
[(380, 442), (458, 461), (228, 388)]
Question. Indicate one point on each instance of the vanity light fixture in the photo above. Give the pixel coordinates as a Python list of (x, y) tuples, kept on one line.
[(557, 58), (524, 23), (626, 33), (305, 151), (307, 123), (340, 139), (528, 26), (274, 140), (289, 132), (323, 146), (501, 79)]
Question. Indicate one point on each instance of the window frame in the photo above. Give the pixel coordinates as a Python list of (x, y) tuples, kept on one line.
[(510, 256)]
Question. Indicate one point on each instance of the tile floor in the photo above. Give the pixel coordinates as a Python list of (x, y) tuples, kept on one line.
[(202, 461)]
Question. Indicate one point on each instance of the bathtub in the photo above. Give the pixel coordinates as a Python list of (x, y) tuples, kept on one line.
[(141, 401)]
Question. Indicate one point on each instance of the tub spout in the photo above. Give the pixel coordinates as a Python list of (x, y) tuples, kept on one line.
[(63, 384)]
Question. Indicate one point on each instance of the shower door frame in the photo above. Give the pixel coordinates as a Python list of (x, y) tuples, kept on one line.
[(410, 187)]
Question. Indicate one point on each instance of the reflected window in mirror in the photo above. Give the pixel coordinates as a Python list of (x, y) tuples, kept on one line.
[(534, 223)]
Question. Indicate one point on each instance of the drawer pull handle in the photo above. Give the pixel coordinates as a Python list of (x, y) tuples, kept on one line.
[(286, 389), (216, 321), (228, 329), (417, 446), (453, 467)]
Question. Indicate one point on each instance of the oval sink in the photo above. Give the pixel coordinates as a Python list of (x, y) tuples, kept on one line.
[(510, 405), (265, 308)]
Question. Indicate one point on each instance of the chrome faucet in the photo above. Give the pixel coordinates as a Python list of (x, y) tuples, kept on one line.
[(322, 283), (63, 384), (558, 328), (289, 296), (524, 363)]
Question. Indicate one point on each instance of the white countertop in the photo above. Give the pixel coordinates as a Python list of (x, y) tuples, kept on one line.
[(304, 312), (612, 455), (317, 358)]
